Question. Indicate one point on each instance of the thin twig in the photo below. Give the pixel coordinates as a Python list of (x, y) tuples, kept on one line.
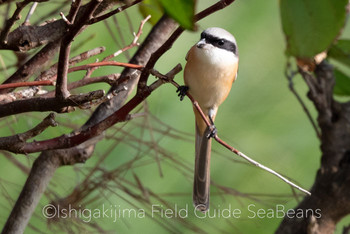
[(109, 14), (49, 104), (289, 75), (133, 43), (51, 73), (234, 150), (109, 79), (104, 63), (255, 163), (25, 84), (120, 36), (75, 6), (16, 141), (67, 141), (9, 23), (62, 69), (113, 35), (30, 13)]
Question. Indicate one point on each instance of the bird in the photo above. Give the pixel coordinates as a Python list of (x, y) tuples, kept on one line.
[(211, 69)]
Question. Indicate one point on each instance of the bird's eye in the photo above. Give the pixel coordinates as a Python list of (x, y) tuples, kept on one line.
[(221, 42)]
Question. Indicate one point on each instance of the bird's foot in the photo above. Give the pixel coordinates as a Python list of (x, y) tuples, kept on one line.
[(212, 132), (212, 129), (182, 90)]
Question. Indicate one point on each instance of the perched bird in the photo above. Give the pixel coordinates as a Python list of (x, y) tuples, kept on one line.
[(211, 68)]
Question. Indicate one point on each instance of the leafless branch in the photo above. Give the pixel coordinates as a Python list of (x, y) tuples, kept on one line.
[(289, 75), (47, 53), (46, 164), (63, 61), (30, 13), (26, 84), (133, 43), (232, 149), (49, 104), (9, 23), (109, 79), (12, 143), (116, 11), (52, 71)]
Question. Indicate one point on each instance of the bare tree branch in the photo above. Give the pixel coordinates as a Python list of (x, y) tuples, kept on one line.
[(47, 163), (46, 54), (332, 183), (26, 84), (49, 104), (226, 145), (116, 11), (12, 20), (289, 75), (76, 138), (74, 28), (13, 142)]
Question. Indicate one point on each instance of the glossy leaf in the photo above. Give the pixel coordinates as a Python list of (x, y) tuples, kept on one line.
[(311, 26), (341, 52), (342, 84), (152, 8), (180, 10)]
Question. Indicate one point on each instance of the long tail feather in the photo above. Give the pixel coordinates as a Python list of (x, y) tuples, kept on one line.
[(201, 185)]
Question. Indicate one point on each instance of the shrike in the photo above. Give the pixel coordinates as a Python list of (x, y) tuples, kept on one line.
[(212, 65)]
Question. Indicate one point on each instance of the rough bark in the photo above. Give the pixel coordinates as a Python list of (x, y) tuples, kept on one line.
[(330, 200)]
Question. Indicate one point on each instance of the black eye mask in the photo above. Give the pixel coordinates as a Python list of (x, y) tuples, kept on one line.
[(219, 42)]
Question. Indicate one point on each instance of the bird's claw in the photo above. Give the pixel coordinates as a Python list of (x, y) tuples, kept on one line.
[(182, 90), (213, 132)]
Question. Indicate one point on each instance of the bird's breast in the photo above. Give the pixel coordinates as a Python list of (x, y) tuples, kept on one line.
[(209, 74)]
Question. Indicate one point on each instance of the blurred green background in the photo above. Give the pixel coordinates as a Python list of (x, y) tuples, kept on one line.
[(261, 118)]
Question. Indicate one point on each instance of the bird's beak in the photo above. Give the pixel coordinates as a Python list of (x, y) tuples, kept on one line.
[(201, 43)]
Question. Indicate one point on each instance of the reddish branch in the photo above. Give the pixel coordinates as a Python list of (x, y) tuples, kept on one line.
[(48, 161), (26, 84), (48, 52), (109, 79), (33, 65), (76, 138), (105, 63), (51, 73)]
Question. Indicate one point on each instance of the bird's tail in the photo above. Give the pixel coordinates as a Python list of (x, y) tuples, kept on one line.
[(201, 185)]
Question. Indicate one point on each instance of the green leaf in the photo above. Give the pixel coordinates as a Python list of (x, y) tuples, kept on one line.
[(311, 26), (181, 11), (342, 84), (341, 52), (152, 8)]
